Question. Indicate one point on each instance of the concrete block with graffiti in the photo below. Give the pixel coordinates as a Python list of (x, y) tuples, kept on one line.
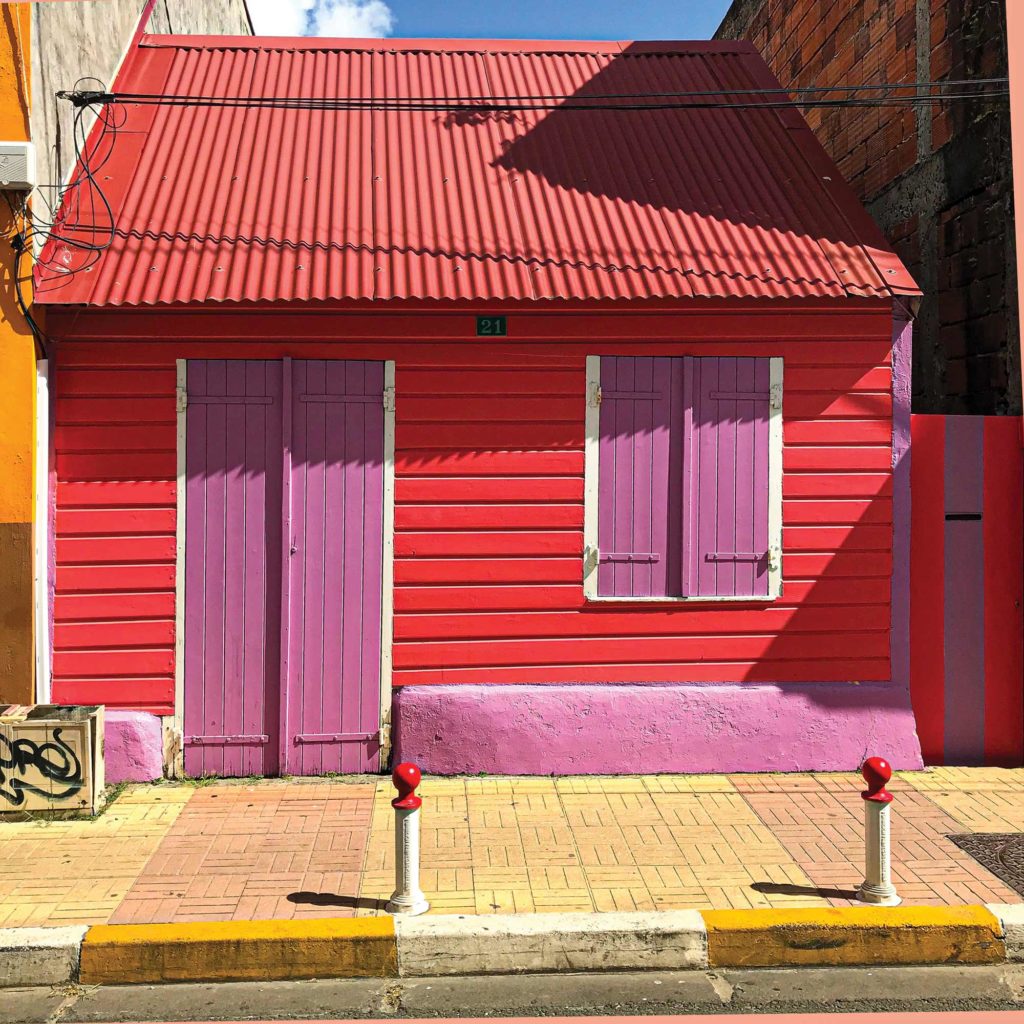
[(51, 758)]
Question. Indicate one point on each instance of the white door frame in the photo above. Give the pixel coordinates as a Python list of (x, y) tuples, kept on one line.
[(41, 535)]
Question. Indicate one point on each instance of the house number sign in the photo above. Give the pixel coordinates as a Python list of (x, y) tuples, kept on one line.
[(491, 326)]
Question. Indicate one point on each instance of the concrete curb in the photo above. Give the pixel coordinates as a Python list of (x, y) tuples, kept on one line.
[(443, 945), (530, 943), (39, 956), (1011, 923)]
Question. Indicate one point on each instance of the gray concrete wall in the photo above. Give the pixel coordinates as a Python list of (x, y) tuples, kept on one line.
[(89, 39)]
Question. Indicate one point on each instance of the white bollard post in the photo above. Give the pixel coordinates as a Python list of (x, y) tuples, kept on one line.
[(877, 887), (408, 898)]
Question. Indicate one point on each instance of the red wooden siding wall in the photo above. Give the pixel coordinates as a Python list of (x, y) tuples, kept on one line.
[(115, 441), (489, 514), (967, 589), (489, 543)]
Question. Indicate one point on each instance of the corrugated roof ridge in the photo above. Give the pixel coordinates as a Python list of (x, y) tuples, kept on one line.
[(625, 48)]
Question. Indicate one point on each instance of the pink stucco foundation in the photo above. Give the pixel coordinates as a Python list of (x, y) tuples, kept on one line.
[(586, 730), (132, 747)]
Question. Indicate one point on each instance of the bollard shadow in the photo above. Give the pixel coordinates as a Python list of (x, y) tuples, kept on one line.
[(330, 899), (788, 889)]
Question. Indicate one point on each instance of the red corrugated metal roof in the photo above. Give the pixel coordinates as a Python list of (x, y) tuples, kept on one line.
[(252, 204)]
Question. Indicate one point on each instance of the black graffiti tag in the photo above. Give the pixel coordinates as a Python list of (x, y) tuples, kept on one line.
[(54, 761)]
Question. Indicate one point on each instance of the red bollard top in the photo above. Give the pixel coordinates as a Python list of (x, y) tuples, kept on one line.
[(406, 778), (877, 772)]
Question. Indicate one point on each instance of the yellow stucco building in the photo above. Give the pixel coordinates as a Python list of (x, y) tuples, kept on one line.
[(17, 387)]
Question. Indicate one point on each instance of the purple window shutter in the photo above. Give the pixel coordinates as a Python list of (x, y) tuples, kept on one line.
[(640, 458), (726, 467)]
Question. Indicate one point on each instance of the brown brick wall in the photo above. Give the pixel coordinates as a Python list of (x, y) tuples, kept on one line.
[(936, 178)]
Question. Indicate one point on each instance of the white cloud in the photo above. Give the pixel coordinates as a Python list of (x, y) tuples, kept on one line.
[(280, 17), (352, 18), (359, 18)]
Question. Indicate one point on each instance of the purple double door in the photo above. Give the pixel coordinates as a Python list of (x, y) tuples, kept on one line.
[(284, 499)]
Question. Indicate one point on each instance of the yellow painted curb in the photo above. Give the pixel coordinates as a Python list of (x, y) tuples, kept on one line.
[(128, 954), (853, 935)]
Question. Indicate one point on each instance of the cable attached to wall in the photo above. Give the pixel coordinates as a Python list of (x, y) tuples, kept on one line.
[(33, 232)]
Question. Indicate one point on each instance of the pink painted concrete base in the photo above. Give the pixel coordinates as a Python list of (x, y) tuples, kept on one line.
[(133, 747), (624, 730)]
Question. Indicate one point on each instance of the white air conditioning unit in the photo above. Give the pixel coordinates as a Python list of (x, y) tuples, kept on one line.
[(17, 166)]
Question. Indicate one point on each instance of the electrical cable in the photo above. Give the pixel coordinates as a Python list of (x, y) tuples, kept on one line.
[(488, 106), (127, 97), (20, 244), (31, 227)]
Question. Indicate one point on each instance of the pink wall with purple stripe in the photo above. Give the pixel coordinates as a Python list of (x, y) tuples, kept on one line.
[(967, 571)]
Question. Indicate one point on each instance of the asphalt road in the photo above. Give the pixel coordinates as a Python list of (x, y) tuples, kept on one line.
[(821, 992)]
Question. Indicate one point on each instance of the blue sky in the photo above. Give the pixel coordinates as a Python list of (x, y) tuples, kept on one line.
[(522, 19), (560, 19)]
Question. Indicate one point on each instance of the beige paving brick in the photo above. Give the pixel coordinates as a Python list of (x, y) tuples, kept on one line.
[(290, 849)]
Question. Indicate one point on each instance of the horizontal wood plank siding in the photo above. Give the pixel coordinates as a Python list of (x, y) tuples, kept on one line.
[(489, 510), (489, 591), (113, 628)]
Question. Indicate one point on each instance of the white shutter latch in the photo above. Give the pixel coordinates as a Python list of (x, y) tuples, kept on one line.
[(775, 396), (774, 559), (594, 395), (591, 557), (389, 399), (181, 399)]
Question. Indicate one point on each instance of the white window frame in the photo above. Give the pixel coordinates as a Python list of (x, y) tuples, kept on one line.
[(591, 495)]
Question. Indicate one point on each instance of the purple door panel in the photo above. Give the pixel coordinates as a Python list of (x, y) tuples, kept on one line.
[(232, 566), (337, 494)]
